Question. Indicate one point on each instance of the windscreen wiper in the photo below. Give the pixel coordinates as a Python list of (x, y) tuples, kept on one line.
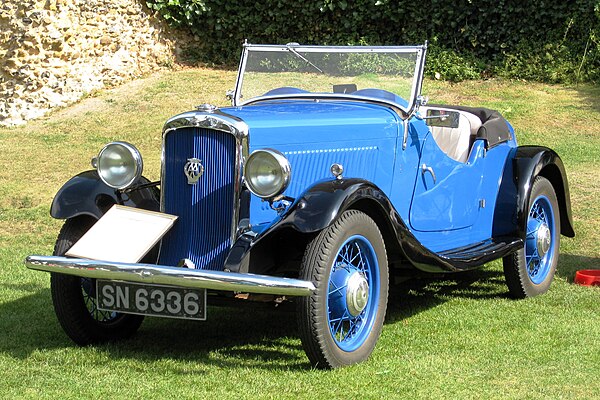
[(300, 56)]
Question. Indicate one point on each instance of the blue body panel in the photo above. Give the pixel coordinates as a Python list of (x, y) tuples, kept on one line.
[(473, 189), (367, 140), (492, 167), (451, 201), (406, 166), (313, 135)]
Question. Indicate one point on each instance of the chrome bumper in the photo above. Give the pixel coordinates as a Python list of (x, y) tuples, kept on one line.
[(174, 276)]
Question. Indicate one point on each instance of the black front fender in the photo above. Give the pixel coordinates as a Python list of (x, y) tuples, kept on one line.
[(86, 194), (523, 165), (319, 206), (310, 213)]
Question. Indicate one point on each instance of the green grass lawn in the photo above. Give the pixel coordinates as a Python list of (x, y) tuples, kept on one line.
[(443, 338)]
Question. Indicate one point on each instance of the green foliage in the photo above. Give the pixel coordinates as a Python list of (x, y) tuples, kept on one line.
[(451, 66), (550, 63), (548, 40)]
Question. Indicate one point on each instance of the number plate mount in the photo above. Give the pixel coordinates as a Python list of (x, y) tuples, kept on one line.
[(153, 300)]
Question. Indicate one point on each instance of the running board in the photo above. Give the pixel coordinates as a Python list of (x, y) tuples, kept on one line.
[(474, 255)]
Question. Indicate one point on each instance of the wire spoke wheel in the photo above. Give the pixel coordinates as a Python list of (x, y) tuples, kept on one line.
[(341, 322), (88, 291), (352, 293), (530, 271), (538, 243)]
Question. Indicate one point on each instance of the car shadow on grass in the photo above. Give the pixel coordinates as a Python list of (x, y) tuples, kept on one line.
[(246, 337), (28, 323), (252, 336), (420, 294), (568, 264)]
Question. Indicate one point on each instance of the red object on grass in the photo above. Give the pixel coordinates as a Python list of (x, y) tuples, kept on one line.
[(588, 277)]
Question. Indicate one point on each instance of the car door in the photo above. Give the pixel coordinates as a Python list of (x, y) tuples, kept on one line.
[(447, 192)]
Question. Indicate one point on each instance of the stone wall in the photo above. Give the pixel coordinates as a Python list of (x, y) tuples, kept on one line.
[(52, 52)]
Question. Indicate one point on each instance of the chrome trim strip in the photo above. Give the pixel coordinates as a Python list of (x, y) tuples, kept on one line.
[(237, 91), (418, 80), (219, 121), (173, 276), (405, 127), (338, 49)]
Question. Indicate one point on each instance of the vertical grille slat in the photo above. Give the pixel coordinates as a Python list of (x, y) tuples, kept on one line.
[(202, 232)]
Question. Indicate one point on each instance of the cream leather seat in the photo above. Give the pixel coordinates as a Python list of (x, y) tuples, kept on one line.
[(455, 142)]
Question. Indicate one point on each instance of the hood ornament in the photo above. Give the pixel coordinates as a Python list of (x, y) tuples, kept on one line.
[(209, 108), (193, 170)]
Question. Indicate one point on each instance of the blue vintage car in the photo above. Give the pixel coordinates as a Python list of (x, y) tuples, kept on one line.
[(327, 174)]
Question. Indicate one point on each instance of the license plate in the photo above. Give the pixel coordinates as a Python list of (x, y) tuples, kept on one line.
[(154, 300)]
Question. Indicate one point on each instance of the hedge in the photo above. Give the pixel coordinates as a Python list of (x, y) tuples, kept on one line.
[(546, 40)]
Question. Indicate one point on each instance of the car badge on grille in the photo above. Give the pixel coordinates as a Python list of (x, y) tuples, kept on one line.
[(193, 170)]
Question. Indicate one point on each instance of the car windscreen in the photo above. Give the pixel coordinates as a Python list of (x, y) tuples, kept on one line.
[(380, 72)]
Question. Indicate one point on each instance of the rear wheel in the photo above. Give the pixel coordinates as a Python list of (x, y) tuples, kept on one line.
[(341, 321), (530, 271), (74, 298)]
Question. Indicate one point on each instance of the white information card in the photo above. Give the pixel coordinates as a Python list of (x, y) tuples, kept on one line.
[(123, 234)]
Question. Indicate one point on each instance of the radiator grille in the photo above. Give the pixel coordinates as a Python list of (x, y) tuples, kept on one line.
[(202, 233)]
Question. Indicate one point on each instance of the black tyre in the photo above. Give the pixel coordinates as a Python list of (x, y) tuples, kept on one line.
[(341, 322), (74, 298), (529, 271)]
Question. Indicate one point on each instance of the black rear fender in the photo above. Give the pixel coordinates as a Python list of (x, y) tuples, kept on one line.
[(523, 165)]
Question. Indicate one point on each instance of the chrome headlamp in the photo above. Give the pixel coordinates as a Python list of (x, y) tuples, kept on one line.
[(119, 165), (267, 173)]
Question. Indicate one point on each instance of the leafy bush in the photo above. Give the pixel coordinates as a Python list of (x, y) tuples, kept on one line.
[(452, 66), (548, 40)]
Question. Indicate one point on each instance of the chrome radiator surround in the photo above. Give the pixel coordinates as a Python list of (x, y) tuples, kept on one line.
[(217, 121)]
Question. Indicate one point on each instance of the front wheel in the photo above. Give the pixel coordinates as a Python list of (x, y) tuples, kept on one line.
[(530, 271), (341, 321), (74, 298)]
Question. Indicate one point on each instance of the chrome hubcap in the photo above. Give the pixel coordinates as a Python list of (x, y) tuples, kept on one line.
[(357, 293), (543, 240)]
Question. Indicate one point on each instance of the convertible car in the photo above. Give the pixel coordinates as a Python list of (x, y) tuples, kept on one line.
[(329, 173)]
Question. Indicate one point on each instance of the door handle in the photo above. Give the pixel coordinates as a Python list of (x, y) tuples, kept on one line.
[(425, 168)]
